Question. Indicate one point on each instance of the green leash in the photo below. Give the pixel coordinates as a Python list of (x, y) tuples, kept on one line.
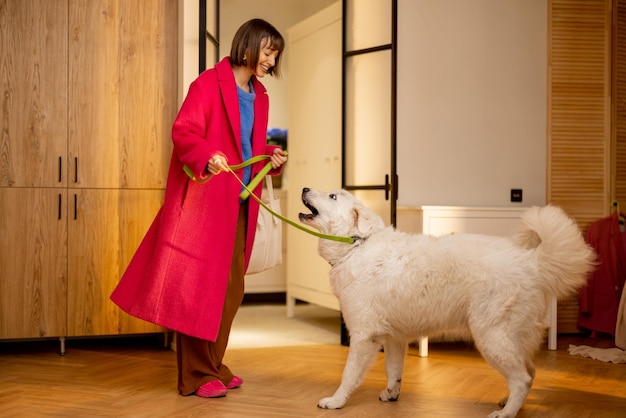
[(247, 191)]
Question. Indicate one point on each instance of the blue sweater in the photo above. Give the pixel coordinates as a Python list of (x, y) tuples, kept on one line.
[(246, 111)]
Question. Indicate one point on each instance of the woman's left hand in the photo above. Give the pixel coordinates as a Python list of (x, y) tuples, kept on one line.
[(278, 158)]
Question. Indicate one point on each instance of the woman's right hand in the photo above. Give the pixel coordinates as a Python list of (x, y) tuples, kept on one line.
[(217, 164)]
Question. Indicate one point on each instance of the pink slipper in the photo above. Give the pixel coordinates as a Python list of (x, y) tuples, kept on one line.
[(235, 383), (212, 389)]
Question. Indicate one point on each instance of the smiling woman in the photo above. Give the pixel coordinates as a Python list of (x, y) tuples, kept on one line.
[(248, 59), (197, 251), (245, 49)]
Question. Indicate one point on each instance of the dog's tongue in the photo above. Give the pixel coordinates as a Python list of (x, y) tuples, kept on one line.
[(310, 207), (303, 216)]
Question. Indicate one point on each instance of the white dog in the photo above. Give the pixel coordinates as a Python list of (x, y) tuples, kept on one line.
[(394, 287)]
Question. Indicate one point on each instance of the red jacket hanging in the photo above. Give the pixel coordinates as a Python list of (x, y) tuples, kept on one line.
[(599, 300)]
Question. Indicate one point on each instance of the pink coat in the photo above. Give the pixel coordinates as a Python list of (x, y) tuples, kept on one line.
[(178, 276)]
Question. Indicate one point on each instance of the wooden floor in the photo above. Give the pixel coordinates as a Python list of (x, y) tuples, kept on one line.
[(137, 378)]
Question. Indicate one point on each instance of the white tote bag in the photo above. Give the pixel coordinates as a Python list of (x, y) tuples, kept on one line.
[(267, 251)]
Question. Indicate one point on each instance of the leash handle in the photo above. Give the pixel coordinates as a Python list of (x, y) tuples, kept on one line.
[(246, 163), (247, 191)]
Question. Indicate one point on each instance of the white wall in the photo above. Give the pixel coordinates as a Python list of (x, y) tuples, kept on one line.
[(471, 94), (471, 101), (233, 13), (188, 27)]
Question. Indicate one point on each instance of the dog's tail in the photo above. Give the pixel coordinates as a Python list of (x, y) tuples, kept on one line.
[(565, 260)]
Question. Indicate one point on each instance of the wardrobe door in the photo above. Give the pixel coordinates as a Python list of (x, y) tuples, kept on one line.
[(33, 146), (105, 228), (579, 118), (619, 99), (33, 72), (123, 107), (33, 262), (121, 113), (314, 144), (148, 92)]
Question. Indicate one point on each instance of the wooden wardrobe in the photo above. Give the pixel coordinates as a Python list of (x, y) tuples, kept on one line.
[(586, 115), (88, 100)]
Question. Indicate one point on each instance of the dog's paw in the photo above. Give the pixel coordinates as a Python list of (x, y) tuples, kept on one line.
[(500, 414), (389, 395), (329, 403)]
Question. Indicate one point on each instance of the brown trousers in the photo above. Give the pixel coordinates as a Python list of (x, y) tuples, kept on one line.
[(200, 361)]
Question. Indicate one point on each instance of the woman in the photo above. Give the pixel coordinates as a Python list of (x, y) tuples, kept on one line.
[(188, 273)]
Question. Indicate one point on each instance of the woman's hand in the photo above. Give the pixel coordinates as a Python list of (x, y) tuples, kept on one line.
[(217, 163), (278, 158)]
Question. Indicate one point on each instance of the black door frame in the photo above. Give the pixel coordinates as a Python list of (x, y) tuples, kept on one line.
[(391, 180), (204, 35)]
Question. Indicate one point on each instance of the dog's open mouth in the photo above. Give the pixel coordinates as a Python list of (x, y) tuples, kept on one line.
[(307, 216)]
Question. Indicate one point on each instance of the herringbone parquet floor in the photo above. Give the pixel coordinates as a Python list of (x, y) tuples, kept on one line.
[(136, 377)]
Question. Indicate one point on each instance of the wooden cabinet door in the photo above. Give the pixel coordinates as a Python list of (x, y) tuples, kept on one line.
[(120, 118), (33, 264), (579, 147), (148, 91), (105, 228), (123, 92), (33, 155), (33, 74), (137, 209), (93, 93)]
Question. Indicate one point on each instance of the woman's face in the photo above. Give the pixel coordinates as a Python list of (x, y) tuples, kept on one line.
[(267, 58)]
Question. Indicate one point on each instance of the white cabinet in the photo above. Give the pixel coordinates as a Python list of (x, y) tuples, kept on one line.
[(314, 98), (441, 220)]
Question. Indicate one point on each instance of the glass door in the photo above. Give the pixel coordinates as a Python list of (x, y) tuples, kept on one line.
[(209, 25), (369, 104)]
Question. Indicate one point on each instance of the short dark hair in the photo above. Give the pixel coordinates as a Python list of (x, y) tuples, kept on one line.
[(248, 41)]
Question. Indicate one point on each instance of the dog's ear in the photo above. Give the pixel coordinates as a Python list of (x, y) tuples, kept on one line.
[(367, 221)]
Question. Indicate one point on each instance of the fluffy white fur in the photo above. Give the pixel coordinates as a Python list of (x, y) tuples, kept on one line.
[(394, 287)]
